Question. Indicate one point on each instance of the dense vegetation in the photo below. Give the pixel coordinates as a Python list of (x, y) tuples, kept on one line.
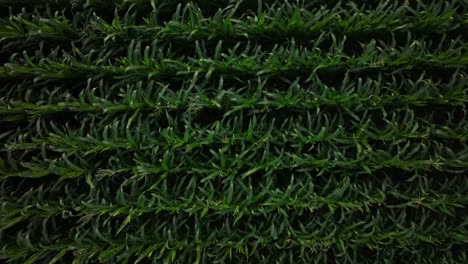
[(233, 131)]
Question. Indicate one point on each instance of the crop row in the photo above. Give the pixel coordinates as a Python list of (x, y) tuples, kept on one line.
[(256, 97), (173, 237), (241, 200), (281, 61), (189, 23)]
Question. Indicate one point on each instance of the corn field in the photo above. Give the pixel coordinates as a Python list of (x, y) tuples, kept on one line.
[(170, 131)]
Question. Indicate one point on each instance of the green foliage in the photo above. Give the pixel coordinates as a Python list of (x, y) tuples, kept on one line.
[(157, 131)]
